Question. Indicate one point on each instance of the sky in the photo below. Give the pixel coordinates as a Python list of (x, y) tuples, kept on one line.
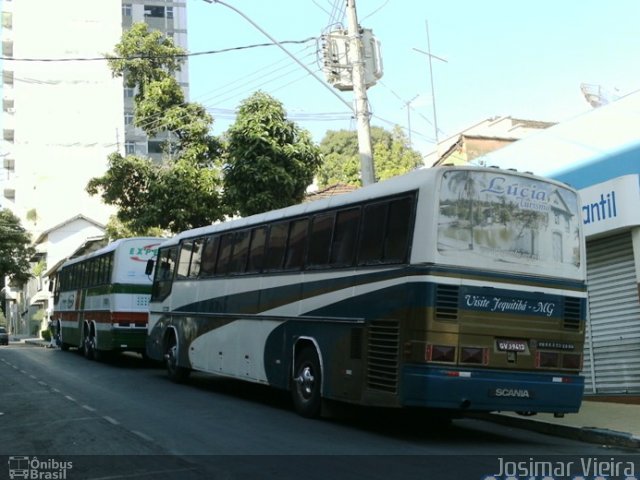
[(522, 59)]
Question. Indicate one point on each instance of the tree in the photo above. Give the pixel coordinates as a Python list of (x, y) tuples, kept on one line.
[(270, 161), (15, 249), (183, 191), (391, 153)]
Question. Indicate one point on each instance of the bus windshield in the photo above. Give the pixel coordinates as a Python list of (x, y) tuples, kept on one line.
[(495, 219)]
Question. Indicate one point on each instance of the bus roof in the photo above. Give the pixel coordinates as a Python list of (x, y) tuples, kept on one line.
[(109, 248), (402, 183)]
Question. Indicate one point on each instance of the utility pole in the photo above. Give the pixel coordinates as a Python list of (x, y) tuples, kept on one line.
[(367, 171)]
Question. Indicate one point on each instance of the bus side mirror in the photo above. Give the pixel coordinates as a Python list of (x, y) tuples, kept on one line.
[(149, 268)]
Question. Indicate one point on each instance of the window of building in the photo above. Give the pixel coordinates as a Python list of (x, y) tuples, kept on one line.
[(7, 77), (155, 146), (129, 92), (126, 9), (7, 48), (169, 12), (129, 148), (8, 134), (153, 11), (7, 20), (128, 118)]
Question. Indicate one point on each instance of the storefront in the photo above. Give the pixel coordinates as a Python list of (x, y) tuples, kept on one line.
[(611, 217)]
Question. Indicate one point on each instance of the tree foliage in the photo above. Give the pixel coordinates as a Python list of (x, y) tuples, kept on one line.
[(270, 162), (392, 156), (144, 56), (182, 191), (15, 249)]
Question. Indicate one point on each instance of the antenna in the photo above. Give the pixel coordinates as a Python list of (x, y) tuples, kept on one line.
[(596, 95)]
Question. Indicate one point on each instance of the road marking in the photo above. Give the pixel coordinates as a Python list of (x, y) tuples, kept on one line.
[(44, 384), (71, 399), (87, 407), (33, 377), (55, 390), (112, 421)]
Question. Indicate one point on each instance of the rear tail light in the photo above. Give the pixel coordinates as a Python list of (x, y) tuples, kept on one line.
[(572, 361), (440, 353), (547, 360), (477, 355)]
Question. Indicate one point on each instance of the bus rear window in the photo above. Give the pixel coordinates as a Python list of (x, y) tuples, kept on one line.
[(498, 218)]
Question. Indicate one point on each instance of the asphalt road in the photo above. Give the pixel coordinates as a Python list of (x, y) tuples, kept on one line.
[(125, 419)]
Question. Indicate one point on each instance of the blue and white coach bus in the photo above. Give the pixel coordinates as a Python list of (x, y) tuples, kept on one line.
[(455, 288)]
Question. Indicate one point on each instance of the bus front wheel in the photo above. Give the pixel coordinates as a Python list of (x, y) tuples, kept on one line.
[(307, 397)]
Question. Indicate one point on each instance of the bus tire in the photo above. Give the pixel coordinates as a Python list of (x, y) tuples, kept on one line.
[(306, 385), (88, 345), (174, 371)]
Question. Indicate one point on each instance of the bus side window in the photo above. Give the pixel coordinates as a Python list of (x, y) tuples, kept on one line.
[(238, 262), (398, 228), (209, 255), (224, 257), (344, 238), (185, 260), (196, 258), (276, 246), (372, 234), (164, 273), (297, 244), (320, 240), (256, 249)]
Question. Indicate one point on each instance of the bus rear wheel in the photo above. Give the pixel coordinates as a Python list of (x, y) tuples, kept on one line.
[(307, 380), (89, 345), (174, 371)]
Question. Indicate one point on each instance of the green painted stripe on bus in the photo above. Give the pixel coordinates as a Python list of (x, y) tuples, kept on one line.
[(127, 288)]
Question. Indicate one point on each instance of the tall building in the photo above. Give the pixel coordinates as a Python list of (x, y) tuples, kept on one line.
[(63, 112)]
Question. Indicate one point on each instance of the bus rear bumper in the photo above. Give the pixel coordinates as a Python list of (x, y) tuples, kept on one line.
[(490, 390)]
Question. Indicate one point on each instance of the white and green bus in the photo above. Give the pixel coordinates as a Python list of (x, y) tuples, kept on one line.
[(101, 299), (453, 288)]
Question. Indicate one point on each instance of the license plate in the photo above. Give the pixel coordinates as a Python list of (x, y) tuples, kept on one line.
[(511, 345)]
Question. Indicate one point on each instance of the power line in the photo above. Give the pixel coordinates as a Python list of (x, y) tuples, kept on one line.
[(178, 55)]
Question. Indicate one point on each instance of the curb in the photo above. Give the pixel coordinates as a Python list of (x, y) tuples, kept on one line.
[(601, 436)]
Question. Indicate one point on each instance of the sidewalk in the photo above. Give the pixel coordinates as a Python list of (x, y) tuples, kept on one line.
[(614, 422), (603, 422)]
